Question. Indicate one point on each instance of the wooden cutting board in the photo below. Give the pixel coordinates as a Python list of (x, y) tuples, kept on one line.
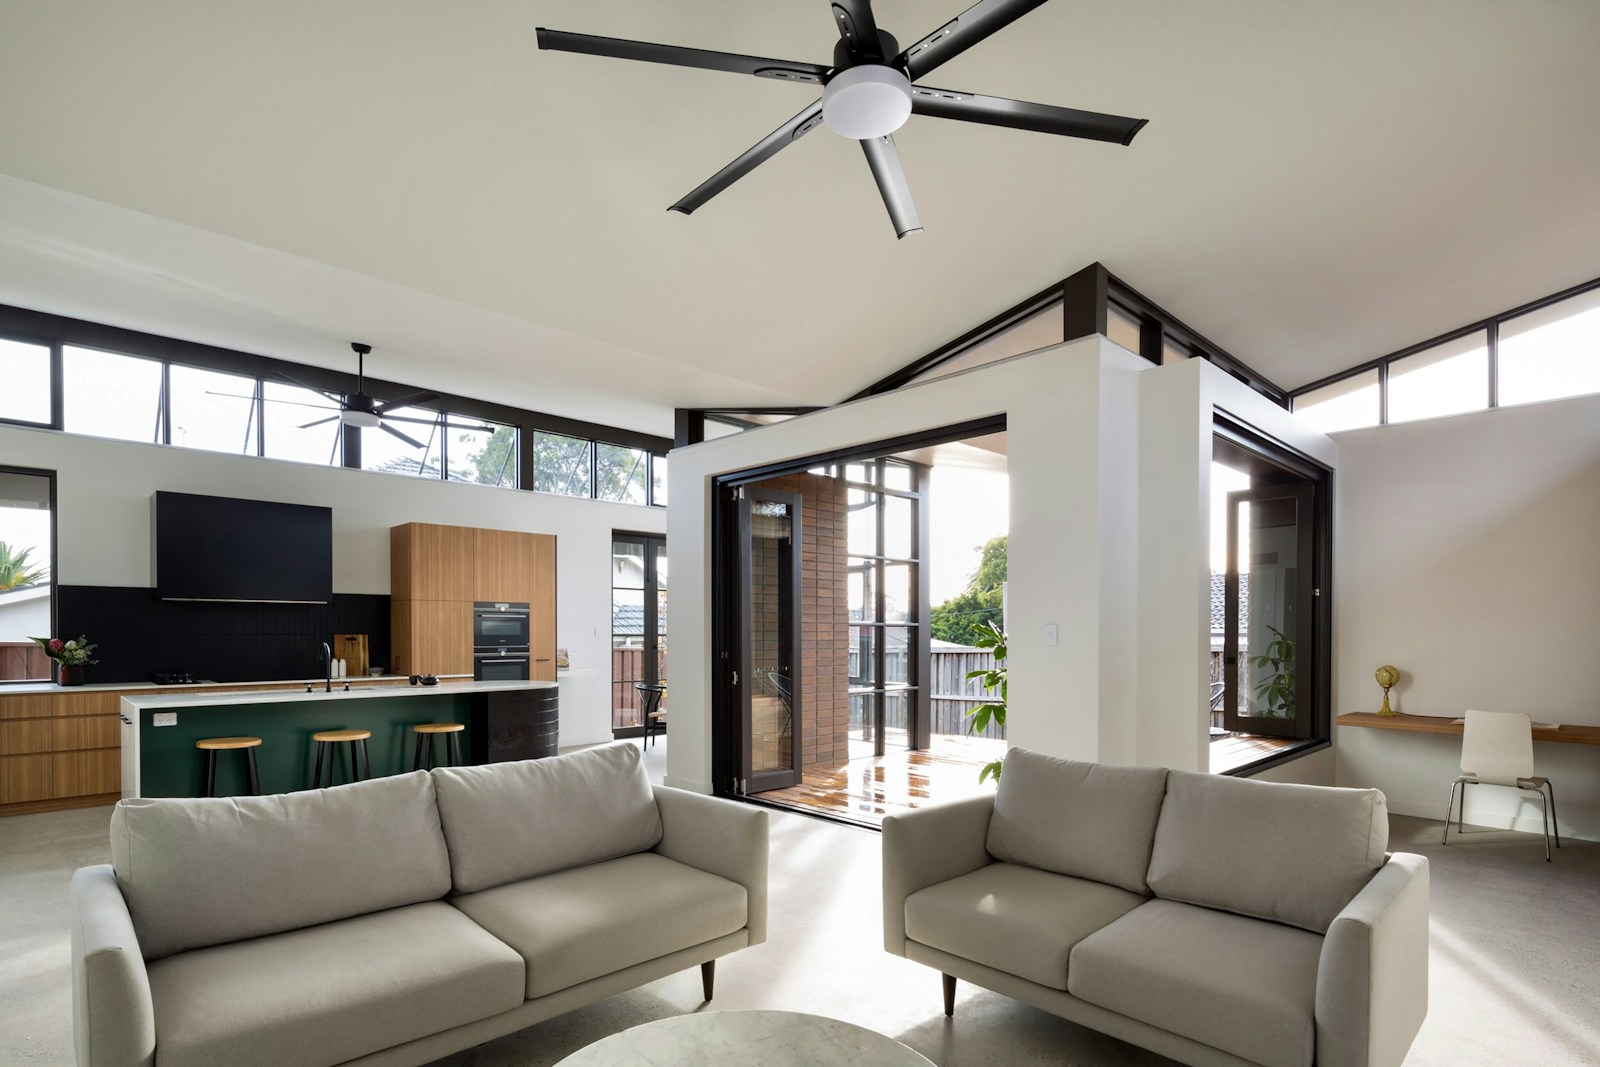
[(352, 648)]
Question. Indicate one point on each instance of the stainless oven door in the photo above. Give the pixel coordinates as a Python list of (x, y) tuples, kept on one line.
[(498, 668)]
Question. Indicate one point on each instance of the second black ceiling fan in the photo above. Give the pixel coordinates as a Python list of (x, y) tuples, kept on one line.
[(868, 92)]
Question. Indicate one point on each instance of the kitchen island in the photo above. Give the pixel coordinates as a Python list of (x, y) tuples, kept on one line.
[(504, 720)]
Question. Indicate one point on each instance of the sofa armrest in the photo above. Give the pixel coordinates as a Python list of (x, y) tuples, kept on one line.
[(113, 1017), (928, 846), (1372, 979), (721, 837)]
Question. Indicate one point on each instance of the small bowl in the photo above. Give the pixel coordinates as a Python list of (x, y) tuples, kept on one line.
[(374, 672)]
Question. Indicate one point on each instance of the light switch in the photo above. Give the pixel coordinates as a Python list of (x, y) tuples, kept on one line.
[(1051, 634), (164, 718)]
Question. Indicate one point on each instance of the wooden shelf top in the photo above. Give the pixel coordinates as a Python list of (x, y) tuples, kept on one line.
[(1441, 724)]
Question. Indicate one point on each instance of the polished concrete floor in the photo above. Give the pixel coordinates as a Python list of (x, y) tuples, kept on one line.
[(1515, 964)]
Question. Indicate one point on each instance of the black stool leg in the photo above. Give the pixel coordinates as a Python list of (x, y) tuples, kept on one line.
[(366, 761), (210, 787), (427, 760), (350, 760), (316, 775), (455, 749), (416, 754), (251, 774)]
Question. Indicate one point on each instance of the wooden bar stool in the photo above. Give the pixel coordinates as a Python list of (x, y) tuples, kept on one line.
[(212, 745), (356, 740), (426, 732)]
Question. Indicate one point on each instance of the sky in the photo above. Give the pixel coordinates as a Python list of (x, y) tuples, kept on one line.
[(968, 508)]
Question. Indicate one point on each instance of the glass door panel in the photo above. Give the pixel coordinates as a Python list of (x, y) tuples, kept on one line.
[(770, 605), (638, 627), (1269, 612)]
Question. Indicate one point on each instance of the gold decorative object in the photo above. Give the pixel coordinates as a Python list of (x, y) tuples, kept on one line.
[(1387, 676)]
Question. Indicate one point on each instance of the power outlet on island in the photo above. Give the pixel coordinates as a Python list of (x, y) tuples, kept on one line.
[(1051, 634), (164, 718)]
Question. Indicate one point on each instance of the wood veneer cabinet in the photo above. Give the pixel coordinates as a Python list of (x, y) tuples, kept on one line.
[(502, 566), (59, 750), (430, 562), (431, 613), (542, 606)]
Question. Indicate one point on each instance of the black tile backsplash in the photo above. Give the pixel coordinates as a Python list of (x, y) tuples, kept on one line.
[(138, 634)]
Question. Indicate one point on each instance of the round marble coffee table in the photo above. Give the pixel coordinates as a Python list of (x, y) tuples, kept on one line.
[(770, 1038)]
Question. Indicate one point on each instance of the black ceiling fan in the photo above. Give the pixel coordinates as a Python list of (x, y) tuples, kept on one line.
[(868, 93), (359, 409)]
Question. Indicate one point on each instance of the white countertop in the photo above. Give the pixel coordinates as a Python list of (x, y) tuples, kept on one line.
[(190, 699), (189, 687)]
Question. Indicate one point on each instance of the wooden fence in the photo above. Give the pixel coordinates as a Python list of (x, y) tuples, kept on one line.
[(954, 694), (24, 661)]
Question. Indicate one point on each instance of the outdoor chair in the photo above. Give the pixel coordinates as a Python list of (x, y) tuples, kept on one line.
[(651, 714)]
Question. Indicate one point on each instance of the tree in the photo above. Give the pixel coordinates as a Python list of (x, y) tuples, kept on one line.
[(15, 571), (494, 463), (561, 464), (962, 618)]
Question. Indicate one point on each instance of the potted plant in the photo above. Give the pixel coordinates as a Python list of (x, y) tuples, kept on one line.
[(993, 638), (71, 657), (1276, 690)]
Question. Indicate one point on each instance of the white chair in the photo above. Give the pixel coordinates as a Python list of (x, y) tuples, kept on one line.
[(1497, 749)]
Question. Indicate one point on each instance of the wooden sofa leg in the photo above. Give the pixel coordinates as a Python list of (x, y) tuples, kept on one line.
[(708, 976), (949, 993)]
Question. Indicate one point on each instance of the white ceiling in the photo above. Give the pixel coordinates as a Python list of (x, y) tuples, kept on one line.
[(1318, 184)]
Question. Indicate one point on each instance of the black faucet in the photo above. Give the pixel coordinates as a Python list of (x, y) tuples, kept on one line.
[(327, 663)]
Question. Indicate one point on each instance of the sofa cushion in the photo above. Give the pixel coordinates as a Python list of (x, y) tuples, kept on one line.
[(1240, 985), (508, 821), (327, 994), (1295, 854), (1016, 919), (590, 921), (1089, 820), (207, 871)]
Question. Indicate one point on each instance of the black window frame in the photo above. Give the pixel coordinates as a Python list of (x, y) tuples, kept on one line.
[(58, 331)]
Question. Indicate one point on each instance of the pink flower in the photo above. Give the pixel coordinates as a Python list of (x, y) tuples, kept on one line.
[(56, 645)]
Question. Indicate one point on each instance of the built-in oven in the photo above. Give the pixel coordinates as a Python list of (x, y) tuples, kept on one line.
[(496, 626), (501, 666)]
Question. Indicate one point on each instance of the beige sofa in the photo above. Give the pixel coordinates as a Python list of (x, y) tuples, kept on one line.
[(1214, 920), (396, 921)]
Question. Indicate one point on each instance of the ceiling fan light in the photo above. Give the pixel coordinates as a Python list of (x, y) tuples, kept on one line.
[(868, 101), (356, 417)]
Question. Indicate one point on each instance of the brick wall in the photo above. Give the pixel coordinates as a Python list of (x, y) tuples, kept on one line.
[(824, 710)]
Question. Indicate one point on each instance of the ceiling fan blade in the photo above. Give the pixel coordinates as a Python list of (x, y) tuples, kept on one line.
[(673, 55), (1021, 115), (272, 400), (319, 422), (884, 159), (858, 27), (763, 150), (977, 22), (412, 441), (422, 396), (407, 418), (297, 382)]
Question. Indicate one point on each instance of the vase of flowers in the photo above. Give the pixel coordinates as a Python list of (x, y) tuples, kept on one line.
[(71, 657)]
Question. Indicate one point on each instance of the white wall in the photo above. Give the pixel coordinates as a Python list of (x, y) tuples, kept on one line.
[(24, 615), (103, 492), (1467, 558), (1087, 516)]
